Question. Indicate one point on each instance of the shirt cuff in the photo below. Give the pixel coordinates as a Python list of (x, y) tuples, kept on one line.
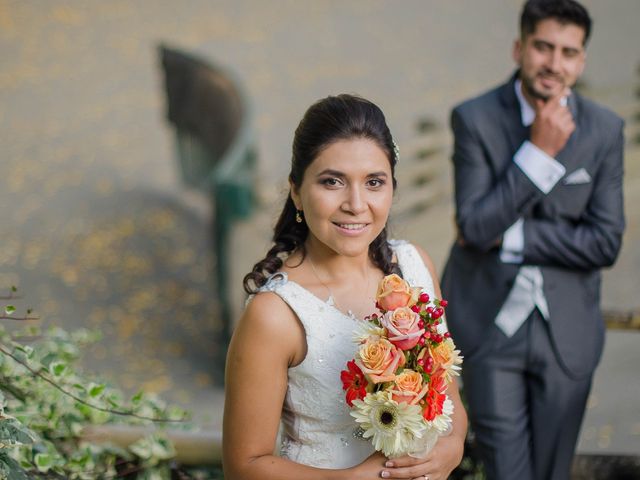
[(513, 243), (544, 171)]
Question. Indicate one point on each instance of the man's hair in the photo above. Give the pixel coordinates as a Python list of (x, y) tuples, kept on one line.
[(564, 11)]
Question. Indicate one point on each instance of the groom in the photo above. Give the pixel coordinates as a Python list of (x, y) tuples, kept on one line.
[(538, 191)]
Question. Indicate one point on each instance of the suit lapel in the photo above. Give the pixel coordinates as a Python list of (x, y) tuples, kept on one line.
[(512, 119), (567, 155)]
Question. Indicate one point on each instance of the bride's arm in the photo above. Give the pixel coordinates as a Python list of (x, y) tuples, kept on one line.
[(448, 451), (267, 340)]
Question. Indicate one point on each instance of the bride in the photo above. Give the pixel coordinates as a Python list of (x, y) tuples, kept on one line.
[(330, 251)]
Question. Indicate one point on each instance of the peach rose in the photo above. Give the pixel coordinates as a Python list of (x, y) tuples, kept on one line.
[(403, 327), (409, 387), (394, 292), (446, 358), (379, 359)]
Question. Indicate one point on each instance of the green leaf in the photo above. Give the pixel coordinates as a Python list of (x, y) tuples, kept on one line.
[(13, 432), (43, 461), (137, 397), (10, 469), (96, 389), (57, 369), (14, 289), (9, 309)]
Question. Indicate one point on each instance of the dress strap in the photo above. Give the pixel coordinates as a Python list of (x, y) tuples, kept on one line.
[(413, 268)]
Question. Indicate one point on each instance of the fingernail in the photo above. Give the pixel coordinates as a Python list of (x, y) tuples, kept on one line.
[(384, 474), (389, 464)]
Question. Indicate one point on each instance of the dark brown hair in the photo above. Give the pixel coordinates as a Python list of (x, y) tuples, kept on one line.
[(564, 11)]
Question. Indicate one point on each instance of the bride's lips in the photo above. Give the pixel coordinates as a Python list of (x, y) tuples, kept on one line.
[(351, 228)]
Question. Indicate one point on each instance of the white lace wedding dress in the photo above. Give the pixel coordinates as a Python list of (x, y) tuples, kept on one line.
[(317, 429)]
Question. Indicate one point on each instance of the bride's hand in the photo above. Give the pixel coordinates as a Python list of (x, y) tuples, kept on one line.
[(370, 469), (437, 465)]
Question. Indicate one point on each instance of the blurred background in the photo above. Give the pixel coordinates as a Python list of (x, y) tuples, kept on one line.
[(99, 229)]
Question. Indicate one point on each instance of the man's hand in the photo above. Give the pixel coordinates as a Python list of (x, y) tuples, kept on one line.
[(553, 125)]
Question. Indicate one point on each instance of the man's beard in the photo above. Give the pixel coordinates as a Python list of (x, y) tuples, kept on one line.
[(528, 84)]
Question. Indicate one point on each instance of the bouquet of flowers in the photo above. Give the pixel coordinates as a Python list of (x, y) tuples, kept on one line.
[(404, 362)]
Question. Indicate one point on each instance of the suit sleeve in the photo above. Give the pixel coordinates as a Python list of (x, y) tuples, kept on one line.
[(593, 241), (487, 202)]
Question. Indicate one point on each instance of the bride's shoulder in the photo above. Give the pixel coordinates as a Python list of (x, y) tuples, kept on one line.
[(267, 309), (404, 246)]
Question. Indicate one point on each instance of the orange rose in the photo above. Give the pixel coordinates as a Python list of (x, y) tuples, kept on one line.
[(394, 292), (379, 359), (446, 358), (403, 327), (409, 387)]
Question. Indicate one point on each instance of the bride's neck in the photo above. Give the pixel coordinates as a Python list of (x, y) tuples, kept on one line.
[(338, 266)]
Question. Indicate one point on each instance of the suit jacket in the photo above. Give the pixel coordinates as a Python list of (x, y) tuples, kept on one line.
[(570, 233)]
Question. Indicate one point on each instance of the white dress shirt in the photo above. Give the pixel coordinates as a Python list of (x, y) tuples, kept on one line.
[(527, 292)]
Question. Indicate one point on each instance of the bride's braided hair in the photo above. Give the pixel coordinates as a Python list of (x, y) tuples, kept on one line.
[(334, 118)]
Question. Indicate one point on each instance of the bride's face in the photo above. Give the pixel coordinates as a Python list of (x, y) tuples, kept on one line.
[(346, 195)]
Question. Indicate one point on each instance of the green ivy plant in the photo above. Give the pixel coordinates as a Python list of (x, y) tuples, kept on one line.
[(45, 402)]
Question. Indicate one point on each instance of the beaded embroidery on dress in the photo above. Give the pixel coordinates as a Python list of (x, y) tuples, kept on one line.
[(317, 429)]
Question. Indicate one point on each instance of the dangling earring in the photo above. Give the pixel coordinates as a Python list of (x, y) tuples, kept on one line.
[(298, 216)]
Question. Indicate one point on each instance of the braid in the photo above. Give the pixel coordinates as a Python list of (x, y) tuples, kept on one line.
[(288, 235), (381, 255)]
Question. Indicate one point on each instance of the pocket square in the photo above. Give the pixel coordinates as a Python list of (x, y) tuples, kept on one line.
[(577, 177)]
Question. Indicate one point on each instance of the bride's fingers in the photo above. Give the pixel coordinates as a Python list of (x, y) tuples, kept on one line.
[(405, 461), (414, 472)]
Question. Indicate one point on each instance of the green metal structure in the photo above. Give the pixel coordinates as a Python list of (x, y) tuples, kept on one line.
[(211, 115)]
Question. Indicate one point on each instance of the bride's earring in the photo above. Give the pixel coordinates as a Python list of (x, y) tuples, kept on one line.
[(299, 216)]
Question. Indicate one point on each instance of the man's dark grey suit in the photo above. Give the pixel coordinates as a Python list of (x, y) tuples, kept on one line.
[(570, 233)]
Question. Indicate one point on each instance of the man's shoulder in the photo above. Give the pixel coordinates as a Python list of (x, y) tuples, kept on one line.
[(481, 105), (599, 115)]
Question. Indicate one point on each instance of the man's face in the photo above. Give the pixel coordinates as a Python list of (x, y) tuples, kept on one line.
[(551, 58)]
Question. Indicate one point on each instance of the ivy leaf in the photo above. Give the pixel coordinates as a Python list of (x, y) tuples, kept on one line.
[(57, 369), (137, 398), (10, 469), (43, 461), (13, 432), (96, 389), (9, 309)]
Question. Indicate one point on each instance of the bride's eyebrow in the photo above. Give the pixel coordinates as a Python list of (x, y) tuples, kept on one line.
[(331, 172), (338, 173)]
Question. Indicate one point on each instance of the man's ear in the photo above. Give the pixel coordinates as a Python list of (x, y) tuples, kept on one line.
[(295, 195), (516, 53)]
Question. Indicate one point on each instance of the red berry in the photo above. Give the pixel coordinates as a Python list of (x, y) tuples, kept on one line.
[(443, 303), (415, 308), (427, 335), (420, 323), (429, 310), (424, 298), (437, 338), (428, 368), (438, 312), (447, 335), (420, 362), (421, 341)]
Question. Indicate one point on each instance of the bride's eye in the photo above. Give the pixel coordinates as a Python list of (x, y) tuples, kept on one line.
[(376, 182), (330, 182)]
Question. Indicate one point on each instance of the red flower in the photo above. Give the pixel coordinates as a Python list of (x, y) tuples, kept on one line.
[(435, 397), (354, 382)]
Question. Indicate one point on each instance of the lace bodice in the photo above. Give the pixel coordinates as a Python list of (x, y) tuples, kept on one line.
[(317, 429)]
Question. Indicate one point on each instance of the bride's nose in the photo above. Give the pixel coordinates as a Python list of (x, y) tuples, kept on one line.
[(355, 201)]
